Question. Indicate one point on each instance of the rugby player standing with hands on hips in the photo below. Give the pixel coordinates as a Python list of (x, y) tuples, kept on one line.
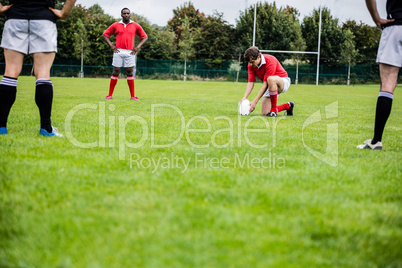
[(124, 51)]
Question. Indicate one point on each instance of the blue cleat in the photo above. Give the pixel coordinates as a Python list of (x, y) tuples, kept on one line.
[(54, 133), (3, 131)]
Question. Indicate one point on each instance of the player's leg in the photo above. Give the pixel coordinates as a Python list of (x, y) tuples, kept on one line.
[(113, 81), (8, 85), (130, 61), (44, 90), (265, 105), (288, 107), (390, 58), (389, 77), (130, 82), (275, 87), (117, 64), (43, 47)]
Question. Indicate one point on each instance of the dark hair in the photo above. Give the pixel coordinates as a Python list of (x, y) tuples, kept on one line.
[(251, 53), (125, 9)]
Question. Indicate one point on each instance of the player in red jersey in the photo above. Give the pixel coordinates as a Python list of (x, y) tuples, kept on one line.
[(124, 51), (275, 81)]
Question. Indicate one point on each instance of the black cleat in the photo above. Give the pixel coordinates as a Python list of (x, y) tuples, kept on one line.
[(289, 112), (271, 114)]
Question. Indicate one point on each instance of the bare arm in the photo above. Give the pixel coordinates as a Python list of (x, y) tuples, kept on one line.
[(372, 7), (113, 47), (135, 50), (249, 88), (3, 9), (62, 14)]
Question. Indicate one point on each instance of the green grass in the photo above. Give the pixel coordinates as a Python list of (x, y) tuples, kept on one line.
[(234, 205)]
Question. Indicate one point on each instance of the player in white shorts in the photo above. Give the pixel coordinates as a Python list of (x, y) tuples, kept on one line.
[(30, 29), (274, 79), (389, 57), (124, 51)]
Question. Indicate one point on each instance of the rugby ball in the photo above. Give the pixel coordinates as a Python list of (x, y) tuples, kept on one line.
[(244, 107)]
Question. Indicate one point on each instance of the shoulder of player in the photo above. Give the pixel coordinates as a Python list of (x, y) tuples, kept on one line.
[(270, 59), (115, 24)]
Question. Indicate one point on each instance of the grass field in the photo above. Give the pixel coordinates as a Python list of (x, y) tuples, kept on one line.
[(180, 180)]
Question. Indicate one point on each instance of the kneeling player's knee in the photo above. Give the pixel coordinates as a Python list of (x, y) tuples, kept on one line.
[(271, 81)]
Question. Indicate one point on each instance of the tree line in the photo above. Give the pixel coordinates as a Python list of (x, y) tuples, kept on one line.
[(192, 35)]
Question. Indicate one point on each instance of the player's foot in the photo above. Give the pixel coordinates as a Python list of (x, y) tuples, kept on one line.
[(289, 112), (3, 131), (109, 97), (367, 145), (271, 114), (55, 132), (135, 98)]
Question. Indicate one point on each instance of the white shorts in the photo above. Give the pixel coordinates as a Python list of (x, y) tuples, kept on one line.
[(286, 82), (124, 58), (30, 36), (390, 48)]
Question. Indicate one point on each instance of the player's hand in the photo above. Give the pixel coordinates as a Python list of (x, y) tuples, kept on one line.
[(134, 51), (56, 12), (381, 22), (63, 14), (253, 104), (3, 9), (115, 49), (241, 101)]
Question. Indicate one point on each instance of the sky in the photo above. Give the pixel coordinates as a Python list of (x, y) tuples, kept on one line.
[(160, 11)]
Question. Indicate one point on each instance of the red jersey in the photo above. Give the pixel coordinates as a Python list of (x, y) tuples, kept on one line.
[(269, 68), (125, 33)]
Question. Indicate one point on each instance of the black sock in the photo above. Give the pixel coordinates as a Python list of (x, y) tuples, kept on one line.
[(44, 99), (8, 92), (383, 110)]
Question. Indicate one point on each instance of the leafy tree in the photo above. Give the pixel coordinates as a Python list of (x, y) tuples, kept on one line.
[(160, 41), (298, 44), (332, 35), (66, 33), (186, 50), (276, 27), (195, 18), (349, 51), (99, 52), (214, 40), (96, 10), (81, 42), (367, 39)]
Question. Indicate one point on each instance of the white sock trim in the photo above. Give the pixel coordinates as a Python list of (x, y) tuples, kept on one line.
[(386, 94)]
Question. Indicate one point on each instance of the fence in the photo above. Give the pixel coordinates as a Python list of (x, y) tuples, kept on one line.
[(225, 71)]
